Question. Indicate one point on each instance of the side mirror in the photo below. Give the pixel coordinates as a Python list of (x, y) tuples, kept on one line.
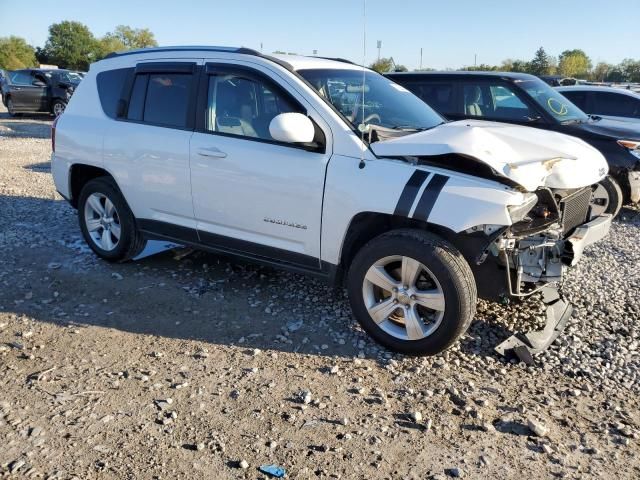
[(38, 83), (292, 128)]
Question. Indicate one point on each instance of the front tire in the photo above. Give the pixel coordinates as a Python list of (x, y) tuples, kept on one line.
[(57, 108), (107, 223), (412, 291), (607, 197), (11, 108)]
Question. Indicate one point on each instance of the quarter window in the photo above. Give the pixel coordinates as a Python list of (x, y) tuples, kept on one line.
[(110, 83), (244, 106), (161, 99)]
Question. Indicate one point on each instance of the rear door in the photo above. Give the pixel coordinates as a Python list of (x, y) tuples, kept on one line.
[(20, 81), (147, 147)]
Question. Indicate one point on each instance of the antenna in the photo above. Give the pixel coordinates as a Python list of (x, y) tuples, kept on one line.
[(364, 69)]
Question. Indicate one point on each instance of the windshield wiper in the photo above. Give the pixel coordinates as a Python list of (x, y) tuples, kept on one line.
[(406, 128), (572, 121)]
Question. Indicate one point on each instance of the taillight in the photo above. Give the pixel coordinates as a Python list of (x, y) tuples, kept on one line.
[(53, 134)]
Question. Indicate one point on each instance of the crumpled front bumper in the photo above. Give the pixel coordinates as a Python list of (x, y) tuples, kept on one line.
[(634, 185), (585, 235)]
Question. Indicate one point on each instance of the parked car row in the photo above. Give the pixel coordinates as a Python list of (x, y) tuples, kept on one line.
[(526, 100), (324, 167), (34, 90)]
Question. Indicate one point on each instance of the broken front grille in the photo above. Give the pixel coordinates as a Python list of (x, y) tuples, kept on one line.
[(575, 209)]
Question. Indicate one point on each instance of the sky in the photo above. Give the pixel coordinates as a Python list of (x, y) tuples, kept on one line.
[(451, 33)]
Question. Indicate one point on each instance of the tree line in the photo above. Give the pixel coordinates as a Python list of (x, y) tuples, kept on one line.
[(570, 63), (72, 45)]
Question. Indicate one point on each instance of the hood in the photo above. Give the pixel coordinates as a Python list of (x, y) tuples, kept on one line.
[(531, 157), (611, 128)]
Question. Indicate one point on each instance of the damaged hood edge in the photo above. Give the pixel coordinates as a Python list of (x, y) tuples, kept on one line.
[(531, 157)]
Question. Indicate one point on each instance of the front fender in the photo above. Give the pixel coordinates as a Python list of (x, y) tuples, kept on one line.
[(436, 196)]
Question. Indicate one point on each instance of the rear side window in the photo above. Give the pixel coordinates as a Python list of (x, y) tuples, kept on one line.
[(579, 99), (438, 95), (110, 85), (161, 99), (21, 78)]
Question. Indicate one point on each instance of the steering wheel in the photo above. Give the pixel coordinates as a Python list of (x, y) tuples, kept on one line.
[(370, 118)]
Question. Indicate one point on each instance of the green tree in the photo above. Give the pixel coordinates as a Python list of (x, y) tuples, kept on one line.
[(520, 66), (600, 71), (130, 38), (107, 45), (630, 69), (541, 64), (16, 53), (574, 63), (70, 45), (384, 65), (483, 67)]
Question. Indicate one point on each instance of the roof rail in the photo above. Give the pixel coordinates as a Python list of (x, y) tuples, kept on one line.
[(199, 48), (337, 59)]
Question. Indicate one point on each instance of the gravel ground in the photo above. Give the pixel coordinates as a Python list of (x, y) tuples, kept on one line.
[(189, 365)]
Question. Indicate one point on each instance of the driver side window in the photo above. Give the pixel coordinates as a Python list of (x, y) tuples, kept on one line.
[(507, 105), (244, 105)]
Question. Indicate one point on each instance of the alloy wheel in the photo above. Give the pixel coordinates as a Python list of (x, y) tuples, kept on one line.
[(102, 221), (403, 297), (58, 108)]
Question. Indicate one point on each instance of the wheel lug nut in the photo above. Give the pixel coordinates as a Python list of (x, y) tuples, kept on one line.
[(413, 297), (395, 290)]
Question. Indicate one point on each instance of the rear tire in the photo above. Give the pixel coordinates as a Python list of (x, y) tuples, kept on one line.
[(429, 310), (607, 198), (107, 223)]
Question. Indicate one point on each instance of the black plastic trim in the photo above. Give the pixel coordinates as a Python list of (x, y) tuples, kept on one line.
[(255, 252), (166, 67), (242, 50)]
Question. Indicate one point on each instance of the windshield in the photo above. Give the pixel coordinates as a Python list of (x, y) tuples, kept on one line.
[(64, 76), (553, 102), (386, 103)]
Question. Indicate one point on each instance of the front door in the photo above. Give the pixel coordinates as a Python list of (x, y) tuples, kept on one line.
[(251, 194)]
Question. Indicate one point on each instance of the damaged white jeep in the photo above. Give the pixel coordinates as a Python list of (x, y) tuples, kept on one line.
[(322, 167)]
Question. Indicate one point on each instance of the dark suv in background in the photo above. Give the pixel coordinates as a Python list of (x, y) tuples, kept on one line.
[(38, 90), (526, 100)]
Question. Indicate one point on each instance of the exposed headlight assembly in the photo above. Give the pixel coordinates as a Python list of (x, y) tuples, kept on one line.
[(518, 212), (633, 147)]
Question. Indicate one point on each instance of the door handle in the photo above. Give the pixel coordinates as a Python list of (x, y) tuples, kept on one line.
[(211, 152)]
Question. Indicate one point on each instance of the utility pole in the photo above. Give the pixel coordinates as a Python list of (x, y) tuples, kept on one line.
[(260, 47), (379, 47), (475, 59), (315, 52), (420, 58)]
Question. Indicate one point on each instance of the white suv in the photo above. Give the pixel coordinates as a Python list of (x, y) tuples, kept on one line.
[(324, 167)]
